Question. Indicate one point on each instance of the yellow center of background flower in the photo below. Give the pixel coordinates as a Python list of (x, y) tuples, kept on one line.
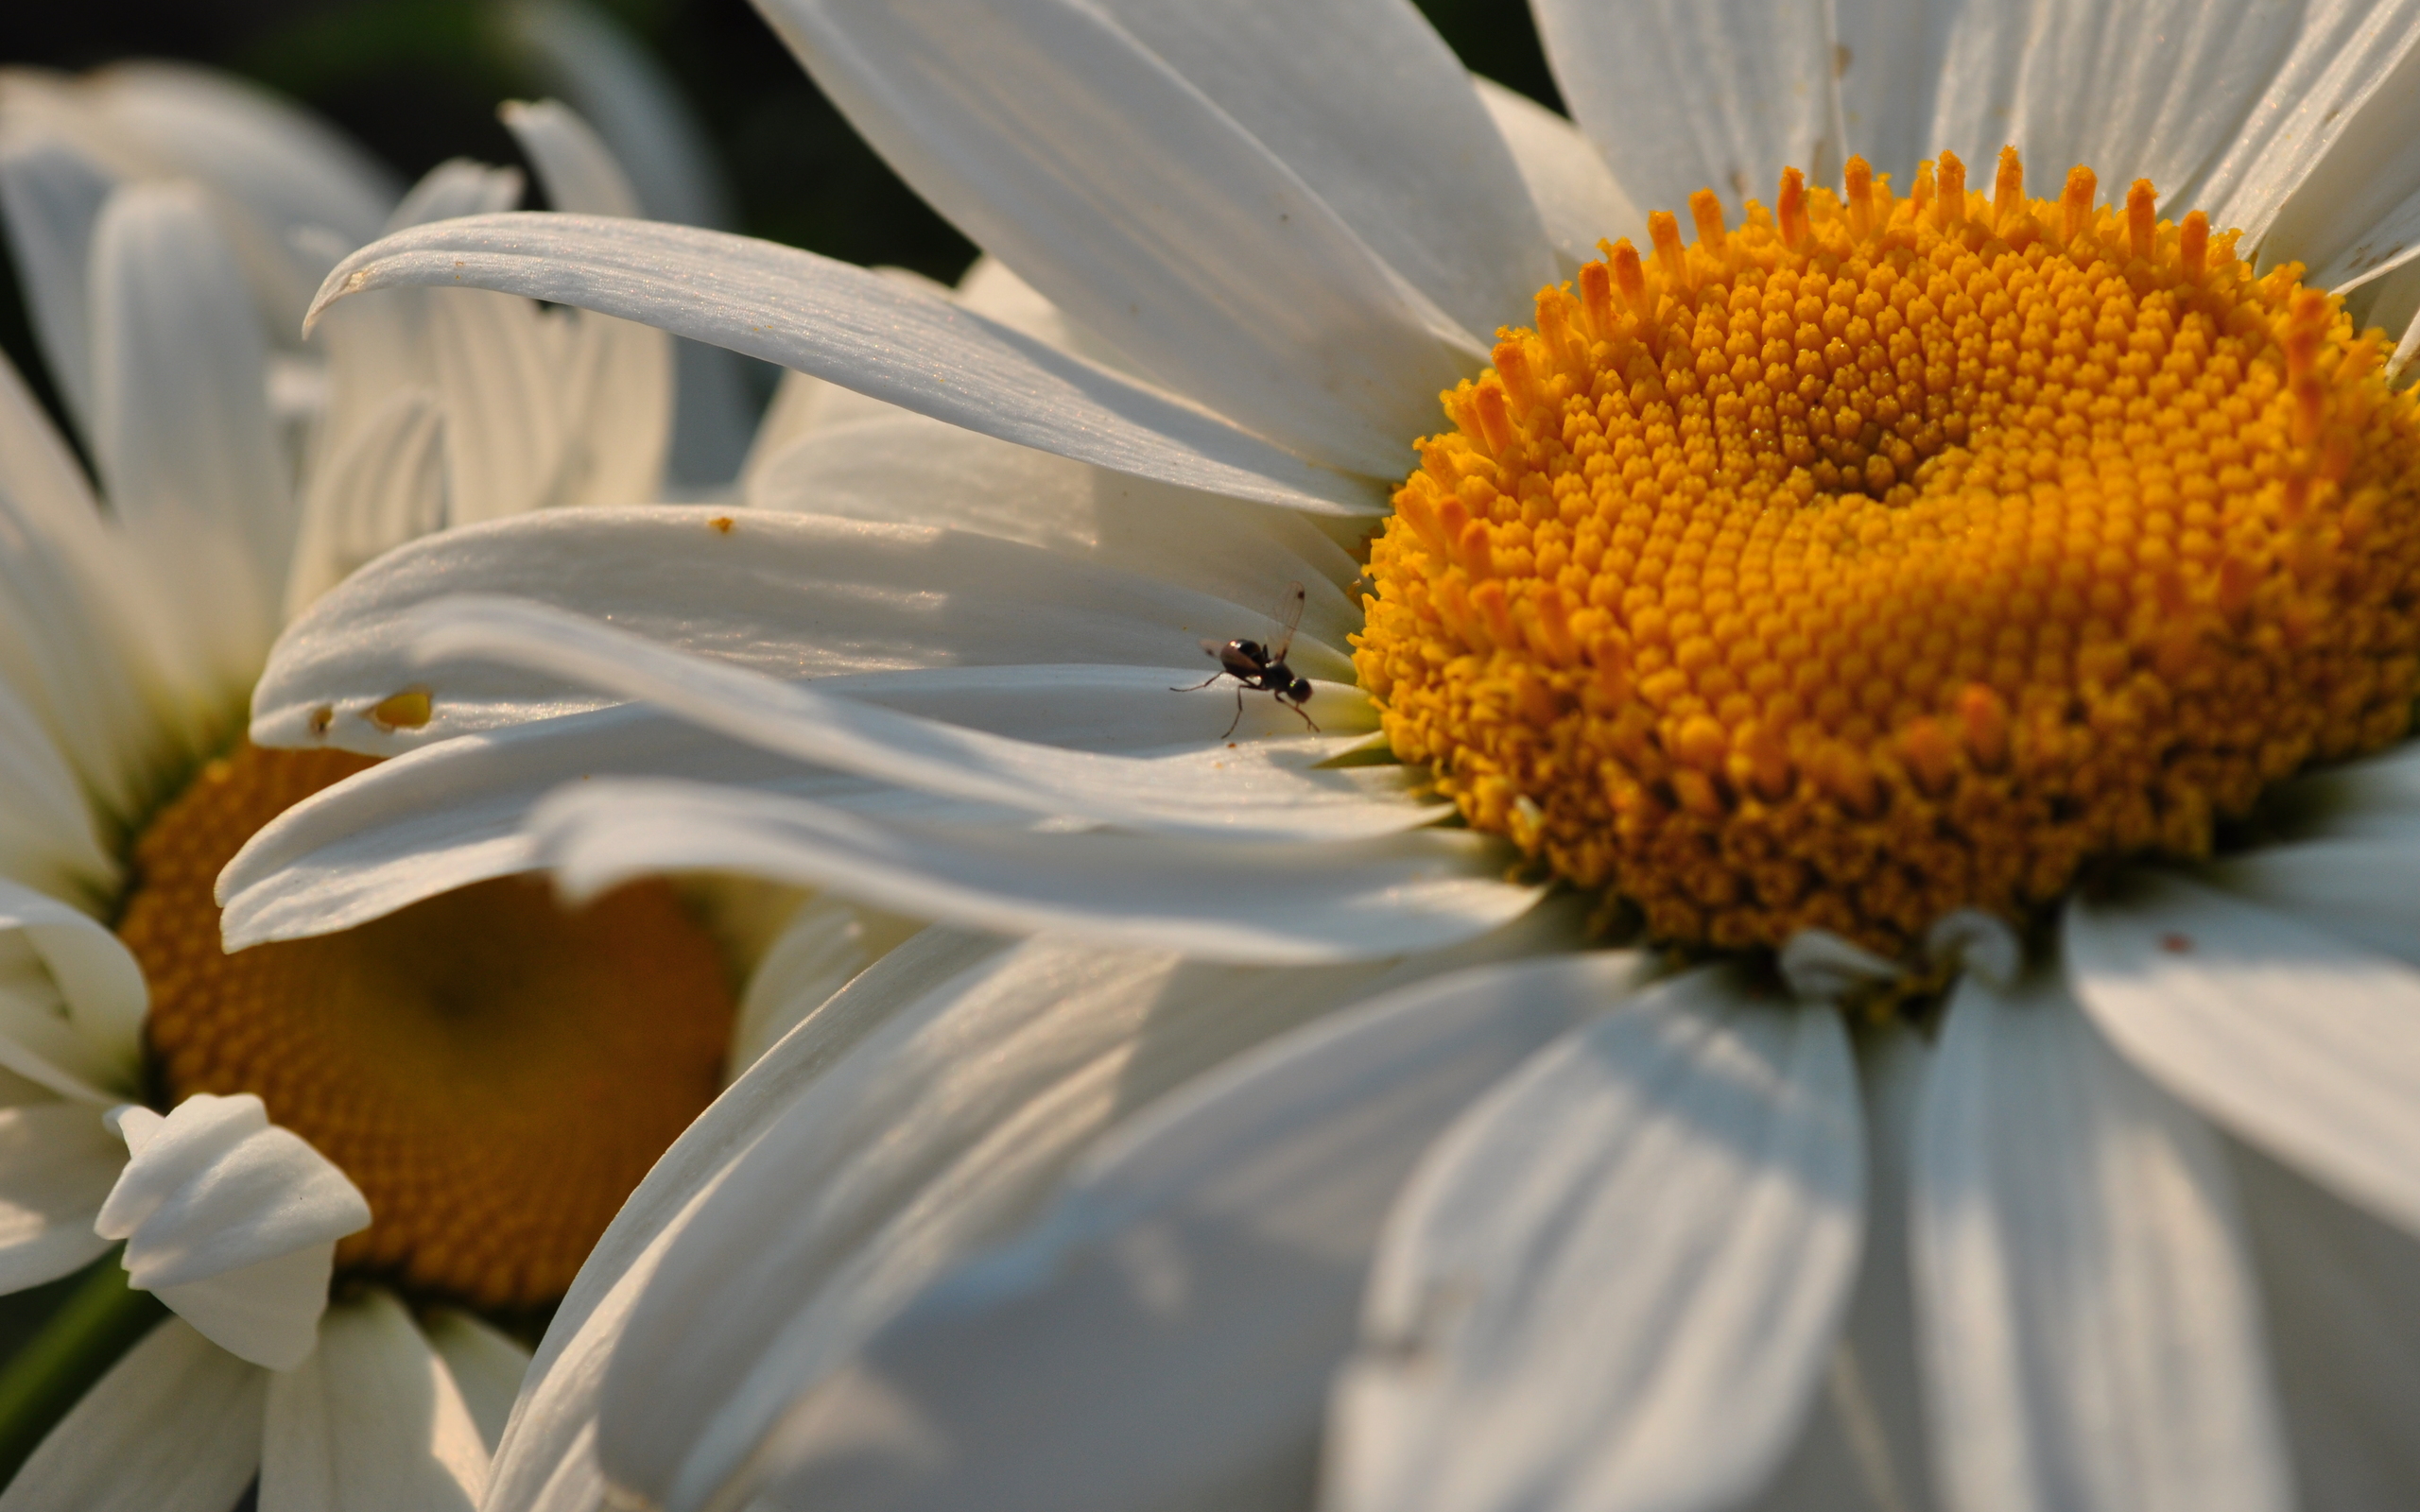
[(1889, 556), (494, 1073)]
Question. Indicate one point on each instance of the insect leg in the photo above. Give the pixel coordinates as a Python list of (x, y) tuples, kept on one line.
[(1240, 713), (1196, 687)]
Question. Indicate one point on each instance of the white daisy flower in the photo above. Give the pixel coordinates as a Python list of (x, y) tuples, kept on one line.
[(1908, 606), (339, 1163)]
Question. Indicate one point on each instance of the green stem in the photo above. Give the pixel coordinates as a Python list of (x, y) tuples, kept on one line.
[(99, 1321)]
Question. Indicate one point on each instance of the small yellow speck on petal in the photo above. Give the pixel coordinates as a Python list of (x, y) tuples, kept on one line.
[(408, 710)]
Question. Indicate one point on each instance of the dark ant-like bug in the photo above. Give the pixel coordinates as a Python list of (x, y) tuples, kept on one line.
[(1262, 668)]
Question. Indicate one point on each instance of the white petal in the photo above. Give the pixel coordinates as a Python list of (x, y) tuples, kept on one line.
[(2365, 889), (1615, 1281), (1066, 147), (2090, 1327), (1178, 794), (497, 362), (57, 1163), (180, 425), (452, 814), (548, 1459), (1165, 1334), (488, 1367), (1885, 62), (909, 470), (233, 1221), (52, 194), (370, 1422), (72, 1000), (2342, 1295), (869, 331), (1234, 901), (2346, 73), (794, 594), (574, 166), (384, 484), (174, 1427), (817, 954), (1689, 94), (1364, 101), (2153, 90), (1576, 196), (943, 1125), (2292, 1038)]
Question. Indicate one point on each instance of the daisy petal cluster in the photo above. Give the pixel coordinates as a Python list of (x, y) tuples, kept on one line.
[(1843, 935)]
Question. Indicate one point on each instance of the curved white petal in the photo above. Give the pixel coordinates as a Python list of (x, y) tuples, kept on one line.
[(1577, 197), (181, 424), (2363, 889), (873, 334), (2291, 1038), (799, 595), (1266, 903), (1066, 147), (174, 1427), (378, 488), (58, 1161), (908, 470), (546, 1461), (488, 1369), (817, 952), (454, 813), (943, 1126), (233, 1221), (370, 1422), (2346, 74), (1689, 94), (574, 166), (1368, 106), (1616, 1281), (2341, 1291), (1178, 794), (1885, 59), (1165, 1334), (53, 193), (2154, 90), (2089, 1323), (72, 1000), (48, 838)]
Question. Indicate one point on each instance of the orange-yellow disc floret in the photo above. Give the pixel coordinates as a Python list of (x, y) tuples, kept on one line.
[(1887, 556), (494, 1072)]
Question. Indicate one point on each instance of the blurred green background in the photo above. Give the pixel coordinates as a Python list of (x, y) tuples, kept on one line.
[(418, 81)]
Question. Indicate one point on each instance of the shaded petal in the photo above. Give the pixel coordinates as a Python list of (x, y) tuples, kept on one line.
[(1576, 194), (2091, 1329), (2364, 889), (2342, 1295), (873, 334), (174, 1427), (548, 1459), (233, 1221), (943, 1125), (58, 1161), (2154, 90), (1688, 94), (72, 1000), (181, 424), (798, 595), (382, 485), (1164, 1335), (455, 813), (1369, 106), (1885, 61), (817, 952), (2287, 1035), (1616, 1281), (487, 1366), (1266, 902), (53, 193), (370, 1422)]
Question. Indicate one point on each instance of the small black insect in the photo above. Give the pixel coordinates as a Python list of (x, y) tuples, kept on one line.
[(1262, 668)]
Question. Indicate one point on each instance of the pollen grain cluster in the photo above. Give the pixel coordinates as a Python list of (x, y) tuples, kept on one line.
[(494, 1073), (1886, 555)]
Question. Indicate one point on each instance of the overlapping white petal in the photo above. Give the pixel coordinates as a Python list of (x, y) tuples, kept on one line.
[(1578, 199), (174, 1427), (58, 1161), (1190, 1293), (370, 1421), (2090, 1325), (72, 1000), (1615, 1281), (52, 194), (2291, 1038), (858, 328), (233, 1221), (488, 1367), (798, 595)]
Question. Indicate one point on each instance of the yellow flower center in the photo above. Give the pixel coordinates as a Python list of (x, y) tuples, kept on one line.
[(1885, 556), (494, 1072)]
